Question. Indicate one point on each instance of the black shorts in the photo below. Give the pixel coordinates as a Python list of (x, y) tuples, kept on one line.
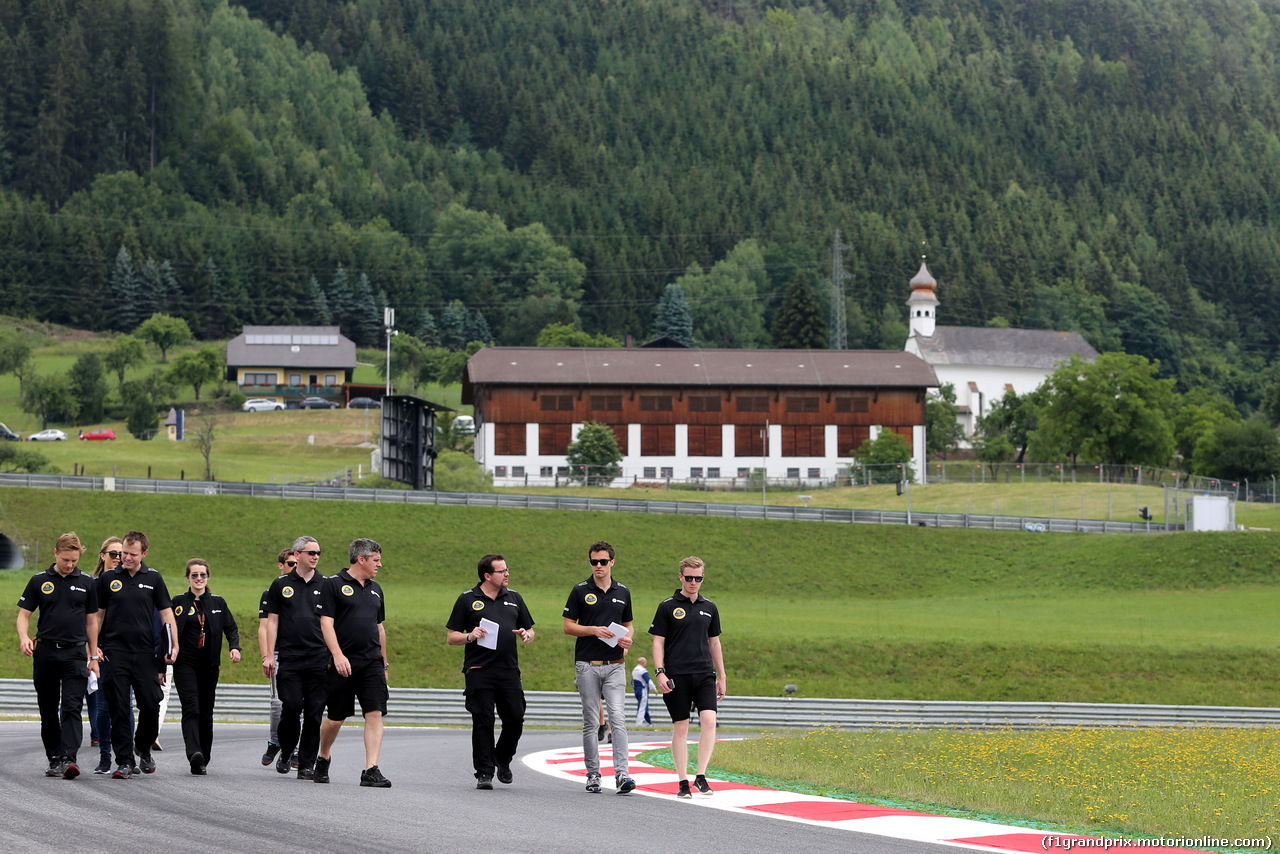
[(367, 682), (697, 690)]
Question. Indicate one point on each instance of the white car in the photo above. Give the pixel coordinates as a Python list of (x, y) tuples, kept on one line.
[(261, 404), (49, 435)]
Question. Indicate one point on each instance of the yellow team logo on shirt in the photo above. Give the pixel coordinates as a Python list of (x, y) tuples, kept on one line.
[(177, 612), (678, 613), (287, 592), (477, 605), (347, 590), (590, 599), (46, 588), (116, 586)]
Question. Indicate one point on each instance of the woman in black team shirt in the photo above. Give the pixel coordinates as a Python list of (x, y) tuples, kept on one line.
[(203, 618)]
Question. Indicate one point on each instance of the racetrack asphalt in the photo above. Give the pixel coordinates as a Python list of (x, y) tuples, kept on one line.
[(433, 805)]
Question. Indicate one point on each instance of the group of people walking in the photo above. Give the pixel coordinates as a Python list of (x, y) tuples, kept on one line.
[(324, 646)]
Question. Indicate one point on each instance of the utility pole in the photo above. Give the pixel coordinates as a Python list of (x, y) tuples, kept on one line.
[(838, 336), (389, 320)]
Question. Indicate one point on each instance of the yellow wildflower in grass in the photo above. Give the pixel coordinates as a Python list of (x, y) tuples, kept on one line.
[(1154, 781)]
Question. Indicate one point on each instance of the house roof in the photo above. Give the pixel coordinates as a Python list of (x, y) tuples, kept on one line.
[(1006, 348), (291, 347), (586, 366)]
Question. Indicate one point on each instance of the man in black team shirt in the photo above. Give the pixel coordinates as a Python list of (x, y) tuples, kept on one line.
[(128, 598), (599, 661), (351, 613), (493, 675), (690, 667), (295, 640), (66, 638)]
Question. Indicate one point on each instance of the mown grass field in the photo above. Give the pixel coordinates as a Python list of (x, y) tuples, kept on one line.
[(1157, 782), (859, 611)]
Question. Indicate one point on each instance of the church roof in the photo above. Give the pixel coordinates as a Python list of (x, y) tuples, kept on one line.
[(1006, 348)]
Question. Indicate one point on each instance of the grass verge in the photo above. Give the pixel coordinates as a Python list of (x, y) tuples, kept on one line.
[(1125, 783)]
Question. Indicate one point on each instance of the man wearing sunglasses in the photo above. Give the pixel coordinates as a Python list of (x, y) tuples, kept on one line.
[(492, 666), (599, 661), (286, 561), (293, 633), (690, 667)]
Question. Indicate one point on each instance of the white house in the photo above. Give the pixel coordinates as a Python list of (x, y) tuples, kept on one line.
[(983, 363)]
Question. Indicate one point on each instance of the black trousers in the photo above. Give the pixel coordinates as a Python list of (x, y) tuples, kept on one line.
[(61, 677), (301, 686), (197, 685), (120, 672), (489, 689)]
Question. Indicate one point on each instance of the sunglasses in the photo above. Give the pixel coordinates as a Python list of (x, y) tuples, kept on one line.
[(199, 575), (692, 578), (290, 563), (595, 562), (315, 553), (113, 555)]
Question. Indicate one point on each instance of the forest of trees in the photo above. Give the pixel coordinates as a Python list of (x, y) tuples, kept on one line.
[(1107, 166)]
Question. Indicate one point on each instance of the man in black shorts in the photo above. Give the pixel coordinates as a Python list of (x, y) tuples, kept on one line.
[(351, 613), (690, 667), (493, 675), (295, 645)]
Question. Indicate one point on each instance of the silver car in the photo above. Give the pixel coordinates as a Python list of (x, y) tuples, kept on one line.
[(262, 404), (49, 435)]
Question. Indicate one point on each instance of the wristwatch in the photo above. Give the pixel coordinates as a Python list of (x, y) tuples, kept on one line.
[(95, 658), (660, 670)]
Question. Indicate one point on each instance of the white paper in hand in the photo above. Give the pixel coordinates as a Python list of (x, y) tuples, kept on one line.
[(619, 632), (490, 639)]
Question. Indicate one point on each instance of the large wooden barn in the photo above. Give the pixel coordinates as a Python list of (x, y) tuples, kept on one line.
[(689, 414)]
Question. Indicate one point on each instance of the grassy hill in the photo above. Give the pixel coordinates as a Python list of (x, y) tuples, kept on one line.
[(840, 610)]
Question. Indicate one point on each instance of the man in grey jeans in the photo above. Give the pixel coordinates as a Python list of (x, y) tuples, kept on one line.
[(599, 661)]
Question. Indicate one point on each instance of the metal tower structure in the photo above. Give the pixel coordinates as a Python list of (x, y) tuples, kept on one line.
[(838, 335)]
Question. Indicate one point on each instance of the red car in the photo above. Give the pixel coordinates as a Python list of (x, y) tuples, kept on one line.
[(107, 433)]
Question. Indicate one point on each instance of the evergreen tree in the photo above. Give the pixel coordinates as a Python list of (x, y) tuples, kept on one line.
[(478, 328), (126, 292), (426, 331), (453, 326), (799, 323), (368, 320), (342, 302), (672, 317), (319, 304)]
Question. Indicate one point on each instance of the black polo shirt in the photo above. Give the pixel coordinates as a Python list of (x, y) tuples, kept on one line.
[(686, 626), (130, 603), (294, 602), (588, 605), (62, 602), (357, 610), (507, 610)]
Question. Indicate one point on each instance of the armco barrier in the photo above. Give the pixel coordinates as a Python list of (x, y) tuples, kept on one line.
[(566, 502), (444, 707)]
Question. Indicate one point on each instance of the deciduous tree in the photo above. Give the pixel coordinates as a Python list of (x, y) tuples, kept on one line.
[(593, 456), (165, 332)]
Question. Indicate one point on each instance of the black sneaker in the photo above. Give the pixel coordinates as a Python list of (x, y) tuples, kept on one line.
[(54, 769), (484, 781), (70, 770), (282, 764), (700, 783), (155, 745), (134, 769), (306, 773), (124, 771), (270, 755), (684, 790), (373, 777), (320, 773), (147, 764), (196, 761), (104, 766), (593, 784), (293, 760), (504, 772), (626, 785)]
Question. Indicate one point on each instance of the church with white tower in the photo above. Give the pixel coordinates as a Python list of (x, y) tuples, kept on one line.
[(982, 363)]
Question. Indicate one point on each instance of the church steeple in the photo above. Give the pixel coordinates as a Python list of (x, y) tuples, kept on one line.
[(922, 305)]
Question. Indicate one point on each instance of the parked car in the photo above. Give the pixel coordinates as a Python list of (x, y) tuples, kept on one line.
[(6, 433), (97, 435), (364, 403), (49, 435), (261, 404), (319, 403), (464, 425)]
